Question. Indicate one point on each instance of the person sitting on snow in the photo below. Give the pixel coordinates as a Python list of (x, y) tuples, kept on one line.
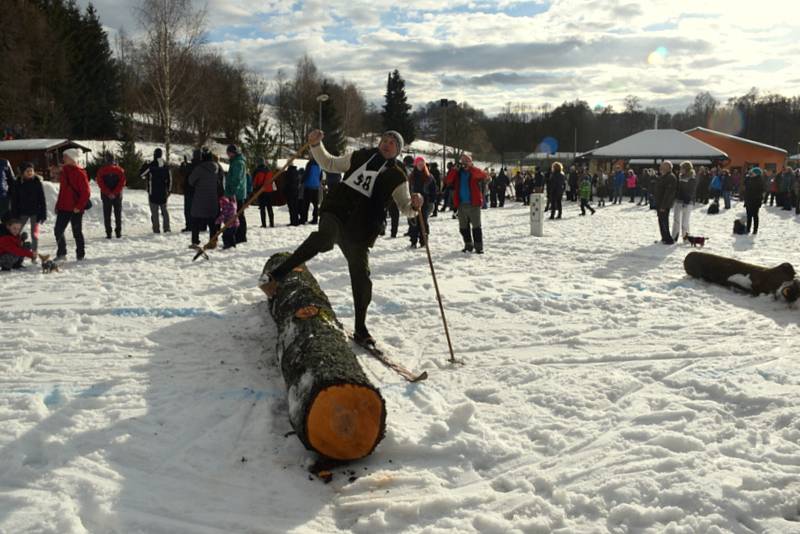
[(13, 249)]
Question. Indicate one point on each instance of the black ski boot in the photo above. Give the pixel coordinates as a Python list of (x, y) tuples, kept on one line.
[(362, 337), (467, 241), (477, 236)]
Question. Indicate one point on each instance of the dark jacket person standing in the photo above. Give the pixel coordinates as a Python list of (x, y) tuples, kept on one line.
[(557, 184), (111, 180), (159, 186), (666, 192), (352, 214), (753, 197), (205, 205)]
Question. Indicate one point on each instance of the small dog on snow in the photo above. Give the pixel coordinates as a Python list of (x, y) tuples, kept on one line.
[(695, 240)]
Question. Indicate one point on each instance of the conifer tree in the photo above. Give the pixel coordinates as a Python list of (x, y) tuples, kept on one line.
[(331, 123), (396, 111)]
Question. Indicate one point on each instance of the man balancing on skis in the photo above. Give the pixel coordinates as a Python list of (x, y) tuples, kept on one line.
[(353, 214)]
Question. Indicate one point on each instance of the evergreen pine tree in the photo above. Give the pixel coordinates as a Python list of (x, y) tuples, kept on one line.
[(87, 89), (258, 141), (396, 111), (129, 158), (99, 78), (331, 123)]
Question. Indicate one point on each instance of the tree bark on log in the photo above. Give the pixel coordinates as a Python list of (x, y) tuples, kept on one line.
[(754, 279), (333, 407)]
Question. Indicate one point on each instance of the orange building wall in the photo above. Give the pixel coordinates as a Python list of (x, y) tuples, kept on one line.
[(742, 154)]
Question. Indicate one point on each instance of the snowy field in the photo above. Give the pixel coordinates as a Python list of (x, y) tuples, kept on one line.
[(603, 391)]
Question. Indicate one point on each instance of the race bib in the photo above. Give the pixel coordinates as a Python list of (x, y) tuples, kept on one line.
[(363, 180)]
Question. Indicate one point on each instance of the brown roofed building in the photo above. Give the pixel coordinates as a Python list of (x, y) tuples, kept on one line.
[(743, 153), (43, 153)]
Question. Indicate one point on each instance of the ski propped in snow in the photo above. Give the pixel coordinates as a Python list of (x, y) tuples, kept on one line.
[(373, 350)]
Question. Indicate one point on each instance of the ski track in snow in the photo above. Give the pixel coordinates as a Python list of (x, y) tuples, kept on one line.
[(603, 390)]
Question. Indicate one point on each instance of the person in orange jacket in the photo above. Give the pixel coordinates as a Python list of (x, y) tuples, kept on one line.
[(111, 180), (466, 180)]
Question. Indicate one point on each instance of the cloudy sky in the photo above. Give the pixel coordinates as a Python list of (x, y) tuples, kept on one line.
[(493, 52)]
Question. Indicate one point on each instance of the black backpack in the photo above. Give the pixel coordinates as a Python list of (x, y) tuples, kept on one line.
[(111, 180), (739, 228), (713, 209)]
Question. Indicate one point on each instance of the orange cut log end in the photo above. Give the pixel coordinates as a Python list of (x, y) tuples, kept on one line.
[(344, 422)]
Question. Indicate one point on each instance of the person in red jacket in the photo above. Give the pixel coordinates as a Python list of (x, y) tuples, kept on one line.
[(263, 177), (465, 179), (111, 180), (12, 250), (73, 197)]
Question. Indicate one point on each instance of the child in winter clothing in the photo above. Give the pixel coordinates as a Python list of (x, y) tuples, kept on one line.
[(227, 212), (585, 192), (263, 181), (12, 249), (630, 182), (28, 203)]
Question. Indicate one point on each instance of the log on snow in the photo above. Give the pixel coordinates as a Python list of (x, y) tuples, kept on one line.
[(333, 407), (753, 279)]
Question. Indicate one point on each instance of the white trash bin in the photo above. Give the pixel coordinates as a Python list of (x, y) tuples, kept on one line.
[(537, 214)]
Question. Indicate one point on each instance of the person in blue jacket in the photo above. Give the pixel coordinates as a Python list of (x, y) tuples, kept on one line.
[(619, 185), (311, 182)]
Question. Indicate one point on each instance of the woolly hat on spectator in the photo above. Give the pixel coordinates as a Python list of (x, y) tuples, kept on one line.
[(73, 154), (25, 166), (398, 139), (157, 153), (9, 219), (755, 171), (232, 149), (466, 158)]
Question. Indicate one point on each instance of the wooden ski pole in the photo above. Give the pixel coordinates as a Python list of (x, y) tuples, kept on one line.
[(424, 232), (212, 243)]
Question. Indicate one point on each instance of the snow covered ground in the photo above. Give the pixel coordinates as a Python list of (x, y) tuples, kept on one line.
[(603, 391)]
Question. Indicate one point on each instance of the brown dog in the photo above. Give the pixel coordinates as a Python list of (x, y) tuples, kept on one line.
[(779, 281), (695, 240)]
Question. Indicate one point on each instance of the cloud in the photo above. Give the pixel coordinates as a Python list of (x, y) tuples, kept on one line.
[(491, 52), (502, 79)]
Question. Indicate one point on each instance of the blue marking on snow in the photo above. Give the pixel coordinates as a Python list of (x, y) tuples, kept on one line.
[(57, 394), (392, 308), (53, 398), (250, 394), (164, 312)]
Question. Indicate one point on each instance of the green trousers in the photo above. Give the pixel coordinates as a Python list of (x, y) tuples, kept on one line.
[(330, 233)]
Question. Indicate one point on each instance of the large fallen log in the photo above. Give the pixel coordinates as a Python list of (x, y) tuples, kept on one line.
[(779, 281), (333, 407)]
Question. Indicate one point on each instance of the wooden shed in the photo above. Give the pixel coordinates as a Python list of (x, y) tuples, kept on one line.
[(742, 153), (43, 153)]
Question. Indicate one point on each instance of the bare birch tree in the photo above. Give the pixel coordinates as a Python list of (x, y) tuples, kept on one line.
[(174, 33)]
